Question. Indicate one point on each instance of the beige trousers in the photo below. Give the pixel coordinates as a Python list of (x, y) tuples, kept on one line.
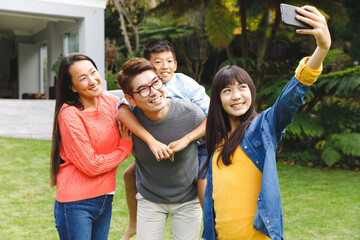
[(151, 219)]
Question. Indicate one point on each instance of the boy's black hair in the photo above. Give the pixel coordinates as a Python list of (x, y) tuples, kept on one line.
[(156, 46)]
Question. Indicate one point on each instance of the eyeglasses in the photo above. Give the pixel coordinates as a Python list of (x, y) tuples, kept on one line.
[(145, 91)]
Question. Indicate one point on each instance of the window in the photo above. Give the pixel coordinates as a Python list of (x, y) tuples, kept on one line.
[(71, 43), (43, 68)]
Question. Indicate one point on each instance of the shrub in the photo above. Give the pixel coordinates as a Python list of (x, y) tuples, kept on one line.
[(111, 81)]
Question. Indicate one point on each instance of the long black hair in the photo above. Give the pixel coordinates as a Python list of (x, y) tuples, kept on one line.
[(218, 125), (64, 94)]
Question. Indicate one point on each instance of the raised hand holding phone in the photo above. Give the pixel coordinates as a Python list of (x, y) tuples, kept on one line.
[(320, 31)]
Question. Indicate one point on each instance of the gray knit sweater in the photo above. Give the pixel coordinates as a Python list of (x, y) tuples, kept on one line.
[(166, 181)]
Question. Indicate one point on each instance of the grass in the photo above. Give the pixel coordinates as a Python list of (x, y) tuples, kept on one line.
[(317, 203)]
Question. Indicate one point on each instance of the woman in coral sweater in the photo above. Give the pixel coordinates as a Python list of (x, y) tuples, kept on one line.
[(87, 147)]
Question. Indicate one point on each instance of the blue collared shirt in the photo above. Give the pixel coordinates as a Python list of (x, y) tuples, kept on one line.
[(184, 87), (259, 144)]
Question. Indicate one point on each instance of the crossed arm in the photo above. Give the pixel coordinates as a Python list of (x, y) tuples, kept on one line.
[(159, 149)]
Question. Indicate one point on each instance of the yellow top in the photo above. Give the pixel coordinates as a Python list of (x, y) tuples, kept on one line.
[(235, 191)]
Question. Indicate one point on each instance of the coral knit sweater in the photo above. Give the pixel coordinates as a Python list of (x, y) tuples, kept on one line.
[(92, 150)]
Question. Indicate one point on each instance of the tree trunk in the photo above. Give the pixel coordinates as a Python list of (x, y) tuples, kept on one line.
[(137, 38), (123, 26), (229, 52), (261, 48), (274, 29), (244, 47), (266, 51)]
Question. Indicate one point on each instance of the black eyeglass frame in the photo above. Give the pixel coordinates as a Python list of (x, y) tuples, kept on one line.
[(155, 79)]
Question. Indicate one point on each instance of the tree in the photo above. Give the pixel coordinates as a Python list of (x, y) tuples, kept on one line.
[(220, 25), (184, 28), (112, 55), (130, 16)]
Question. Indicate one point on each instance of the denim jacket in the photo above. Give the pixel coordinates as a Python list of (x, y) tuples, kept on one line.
[(259, 143)]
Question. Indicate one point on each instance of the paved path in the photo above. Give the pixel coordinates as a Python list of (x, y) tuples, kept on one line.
[(29, 118)]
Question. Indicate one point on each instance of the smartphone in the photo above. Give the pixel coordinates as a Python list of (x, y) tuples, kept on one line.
[(288, 13)]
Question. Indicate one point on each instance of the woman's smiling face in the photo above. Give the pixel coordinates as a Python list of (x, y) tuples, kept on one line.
[(86, 80)]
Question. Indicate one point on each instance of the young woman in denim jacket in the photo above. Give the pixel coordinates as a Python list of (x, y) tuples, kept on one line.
[(242, 197)]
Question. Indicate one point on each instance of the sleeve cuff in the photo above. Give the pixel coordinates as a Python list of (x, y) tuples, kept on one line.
[(126, 144), (121, 102), (307, 75)]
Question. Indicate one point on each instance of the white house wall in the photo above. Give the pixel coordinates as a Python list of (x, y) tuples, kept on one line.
[(87, 3), (92, 29), (65, 16)]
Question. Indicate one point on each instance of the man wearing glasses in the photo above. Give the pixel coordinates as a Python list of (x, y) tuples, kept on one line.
[(168, 186)]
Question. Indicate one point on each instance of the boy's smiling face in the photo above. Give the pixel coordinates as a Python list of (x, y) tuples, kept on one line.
[(165, 64)]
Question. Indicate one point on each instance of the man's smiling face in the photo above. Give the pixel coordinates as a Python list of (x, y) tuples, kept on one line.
[(155, 104)]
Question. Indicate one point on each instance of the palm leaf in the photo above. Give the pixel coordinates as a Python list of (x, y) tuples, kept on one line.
[(330, 156), (304, 125), (219, 24)]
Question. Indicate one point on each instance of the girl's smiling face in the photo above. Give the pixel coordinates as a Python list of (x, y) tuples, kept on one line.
[(235, 100)]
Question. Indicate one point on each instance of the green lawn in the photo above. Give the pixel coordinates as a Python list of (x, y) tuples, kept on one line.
[(317, 203)]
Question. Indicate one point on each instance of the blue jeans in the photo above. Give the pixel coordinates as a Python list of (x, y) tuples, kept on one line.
[(202, 155), (84, 220)]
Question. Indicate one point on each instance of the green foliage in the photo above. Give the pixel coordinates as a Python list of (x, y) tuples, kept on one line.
[(157, 28), (341, 147), (332, 119), (337, 117), (271, 93), (346, 72), (341, 83), (335, 57), (55, 67), (239, 61), (111, 81), (349, 144), (303, 126), (330, 130), (330, 156), (330, 107), (113, 56), (112, 24), (220, 24)]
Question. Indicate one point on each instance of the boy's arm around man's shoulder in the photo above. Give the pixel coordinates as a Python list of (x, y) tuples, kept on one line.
[(127, 117), (198, 132)]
